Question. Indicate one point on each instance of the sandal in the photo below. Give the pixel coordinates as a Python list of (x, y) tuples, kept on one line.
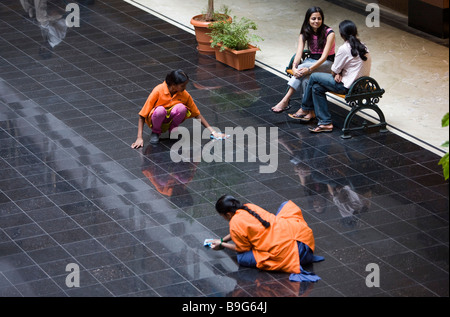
[(296, 116), (301, 117), (320, 128)]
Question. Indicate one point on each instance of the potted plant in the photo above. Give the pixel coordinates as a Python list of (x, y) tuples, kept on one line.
[(231, 40), (201, 23)]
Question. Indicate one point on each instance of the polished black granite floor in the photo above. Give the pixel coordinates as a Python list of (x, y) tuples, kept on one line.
[(73, 191)]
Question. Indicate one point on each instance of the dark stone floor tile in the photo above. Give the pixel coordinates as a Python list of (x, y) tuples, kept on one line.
[(184, 289), (162, 278), (128, 285), (39, 288)]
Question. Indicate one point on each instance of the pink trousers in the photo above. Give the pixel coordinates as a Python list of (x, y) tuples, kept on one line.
[(159, 117)]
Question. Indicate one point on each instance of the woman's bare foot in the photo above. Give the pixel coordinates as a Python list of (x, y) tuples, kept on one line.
[(302, 113), (283, 105), (322, 128)]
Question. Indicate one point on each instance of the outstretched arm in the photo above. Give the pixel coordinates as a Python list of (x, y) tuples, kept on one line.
[(139, 140)]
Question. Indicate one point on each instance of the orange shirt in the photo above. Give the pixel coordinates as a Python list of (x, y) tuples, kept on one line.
[(275, 248), (160, 96)]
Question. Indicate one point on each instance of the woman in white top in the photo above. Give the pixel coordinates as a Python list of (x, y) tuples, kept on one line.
[(352, 62)]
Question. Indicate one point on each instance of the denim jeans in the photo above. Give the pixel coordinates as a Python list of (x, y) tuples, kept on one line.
[(315, 97), (305, 254), (300, 84)]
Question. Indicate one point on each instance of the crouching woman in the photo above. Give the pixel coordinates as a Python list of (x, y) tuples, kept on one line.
[(169, 105), (281, 242)]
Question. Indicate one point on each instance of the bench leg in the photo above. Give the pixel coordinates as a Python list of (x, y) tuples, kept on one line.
[(346, 129)]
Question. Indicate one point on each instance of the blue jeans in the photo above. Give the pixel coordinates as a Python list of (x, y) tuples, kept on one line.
[(300, 84), (315, 97), (304, 252)]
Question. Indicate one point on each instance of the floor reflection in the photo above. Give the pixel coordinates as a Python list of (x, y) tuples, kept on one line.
[(50, 17)]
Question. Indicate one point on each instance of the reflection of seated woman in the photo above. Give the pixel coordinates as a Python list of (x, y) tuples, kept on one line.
[(348, 202), (270, 242)]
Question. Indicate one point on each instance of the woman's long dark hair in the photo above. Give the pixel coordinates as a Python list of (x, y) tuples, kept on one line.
[(176, 77), (349, 33), (228, 203), (308, 32)]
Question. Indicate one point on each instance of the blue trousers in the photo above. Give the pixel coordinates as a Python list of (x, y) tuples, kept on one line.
[(315, 98), (305, 253)]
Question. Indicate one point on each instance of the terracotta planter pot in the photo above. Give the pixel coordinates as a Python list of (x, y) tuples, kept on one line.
[(203, 39), (240, 60)]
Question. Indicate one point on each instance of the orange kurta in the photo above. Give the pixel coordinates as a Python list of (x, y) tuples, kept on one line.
[(160, 96), (275, 248)]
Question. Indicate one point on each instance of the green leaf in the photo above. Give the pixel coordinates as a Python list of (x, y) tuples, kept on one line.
[(445, 120), (234, 35), (445, 163), (444, 160)]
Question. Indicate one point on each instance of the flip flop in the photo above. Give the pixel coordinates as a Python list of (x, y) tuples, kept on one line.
[(304, 119), (282, 110), (301, 117), (320, 129), (296, 116)]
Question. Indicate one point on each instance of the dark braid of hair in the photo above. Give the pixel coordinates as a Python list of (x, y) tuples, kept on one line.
[(266, 224)]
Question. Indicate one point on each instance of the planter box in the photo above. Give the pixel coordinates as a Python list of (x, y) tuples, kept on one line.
[(240, 60), (202, 36)]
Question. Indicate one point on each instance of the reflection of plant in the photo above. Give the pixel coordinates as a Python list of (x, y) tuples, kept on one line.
[(228, 99), (233, 34), (444, 160)]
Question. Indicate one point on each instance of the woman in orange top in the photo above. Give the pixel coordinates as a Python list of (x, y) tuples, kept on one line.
[(270, 242), (168, 105)]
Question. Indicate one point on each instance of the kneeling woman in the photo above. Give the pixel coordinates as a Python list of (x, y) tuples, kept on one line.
[(168, 105), (281, 242)]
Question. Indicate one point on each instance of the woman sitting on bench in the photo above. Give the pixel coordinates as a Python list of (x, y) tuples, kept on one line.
[(320, 40), (352, 61)]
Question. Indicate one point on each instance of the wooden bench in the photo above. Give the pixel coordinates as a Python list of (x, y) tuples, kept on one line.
[(364, 94)]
